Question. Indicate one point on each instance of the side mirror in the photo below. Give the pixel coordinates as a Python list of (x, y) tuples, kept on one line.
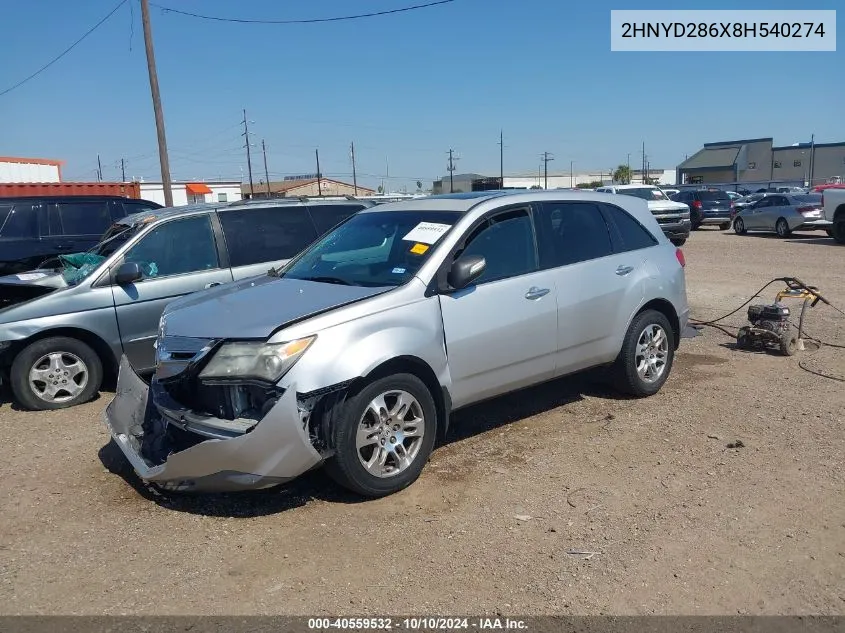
[(127, 273), (466, 270)]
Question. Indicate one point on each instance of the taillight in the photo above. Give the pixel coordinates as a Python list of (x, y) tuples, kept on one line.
[(808, 210), (696, 204), (681, 259)]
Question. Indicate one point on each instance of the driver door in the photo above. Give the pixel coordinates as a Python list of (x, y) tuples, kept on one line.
[(501, 331), (177, 258)]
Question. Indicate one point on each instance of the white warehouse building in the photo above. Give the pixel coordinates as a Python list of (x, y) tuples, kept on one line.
[(15, 169), (194, 192)]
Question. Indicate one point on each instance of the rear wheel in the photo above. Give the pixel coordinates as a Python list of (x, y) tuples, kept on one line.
[(839, 231), (782, 228), (644, 362), (739, 226), (383, 436), (54, 373)]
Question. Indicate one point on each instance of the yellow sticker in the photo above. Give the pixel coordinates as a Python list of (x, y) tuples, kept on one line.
[(419, 249)]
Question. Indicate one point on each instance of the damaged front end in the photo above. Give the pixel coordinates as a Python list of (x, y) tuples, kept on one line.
[(183, 435)]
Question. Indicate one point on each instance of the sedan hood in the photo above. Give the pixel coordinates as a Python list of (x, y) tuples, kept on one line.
[(25, 286), (255, 308)]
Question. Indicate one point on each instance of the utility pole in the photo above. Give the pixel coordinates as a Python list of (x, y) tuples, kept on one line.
[(387, 173), (163, 160), (266, 173), (245, 134), (571, 174), (354, 174), (319, 175), (122, 170), (99, 168), (628, 163), (451, 169), (546, 158), (643, 169), (501, 160), (812, 158)]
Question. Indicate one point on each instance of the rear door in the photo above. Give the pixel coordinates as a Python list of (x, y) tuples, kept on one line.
[(177, 257), (76, 225), (264, 237), (593, 283), (500, 332)]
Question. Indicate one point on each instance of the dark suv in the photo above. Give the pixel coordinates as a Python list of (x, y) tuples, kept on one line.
[(35, 229), (707, 206)]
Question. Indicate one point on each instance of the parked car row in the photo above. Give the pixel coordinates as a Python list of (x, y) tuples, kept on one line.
[(782, 213)]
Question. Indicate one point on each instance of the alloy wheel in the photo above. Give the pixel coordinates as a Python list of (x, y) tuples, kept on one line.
[(58, 377), (652, 353), (390, 433)]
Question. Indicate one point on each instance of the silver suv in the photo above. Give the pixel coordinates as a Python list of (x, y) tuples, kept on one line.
[(356, 352)]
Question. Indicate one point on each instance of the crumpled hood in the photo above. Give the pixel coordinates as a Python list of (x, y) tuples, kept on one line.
[(21, 287), (254, 308), (666, 206)]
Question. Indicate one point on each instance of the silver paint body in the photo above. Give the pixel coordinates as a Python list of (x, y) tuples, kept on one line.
[(479, 342), (758, 217)]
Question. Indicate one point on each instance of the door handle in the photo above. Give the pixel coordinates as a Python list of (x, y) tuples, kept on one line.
[(624, 270), (535, 293), (212, 284)]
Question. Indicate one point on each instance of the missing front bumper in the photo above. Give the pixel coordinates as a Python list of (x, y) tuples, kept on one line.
[(276, 450)]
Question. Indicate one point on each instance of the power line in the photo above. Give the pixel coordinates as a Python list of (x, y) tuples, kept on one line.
[(217, 18), (64, 52)]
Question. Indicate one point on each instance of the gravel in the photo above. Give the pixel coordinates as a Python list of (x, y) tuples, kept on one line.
[(564, 498)]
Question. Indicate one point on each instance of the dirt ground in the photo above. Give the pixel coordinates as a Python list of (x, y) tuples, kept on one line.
[(677, 522)]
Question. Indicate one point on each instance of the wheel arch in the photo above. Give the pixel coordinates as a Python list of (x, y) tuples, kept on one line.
[(417, 367), (839, 214), (668, 310), (95, 342)]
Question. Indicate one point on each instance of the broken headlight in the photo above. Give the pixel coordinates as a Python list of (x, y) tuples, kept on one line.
[(255, 360)]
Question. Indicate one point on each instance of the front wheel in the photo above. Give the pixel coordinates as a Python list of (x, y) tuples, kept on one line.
[(739, 226), (839, 231), (54, 373), (383, 436), (644, 362), (782, 228)]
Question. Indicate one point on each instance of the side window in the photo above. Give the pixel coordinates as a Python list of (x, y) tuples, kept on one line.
[(763, 203), (19, 219), (84, 218), (175, 248), (574, 232), (327, 216), (266, 235), (781, 201), (506, 242), (627, 233)]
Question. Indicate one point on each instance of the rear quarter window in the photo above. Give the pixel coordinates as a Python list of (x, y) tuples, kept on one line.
[(626, 233)]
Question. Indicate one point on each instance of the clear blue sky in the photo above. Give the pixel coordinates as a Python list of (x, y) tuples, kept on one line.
[(407, 87)]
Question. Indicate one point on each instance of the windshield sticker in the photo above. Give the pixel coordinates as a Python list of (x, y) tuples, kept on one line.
[(30, 276), (419, 249), (397, 271), (427, 232)]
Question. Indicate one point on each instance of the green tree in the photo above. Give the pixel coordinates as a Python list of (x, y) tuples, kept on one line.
[(622, 175)]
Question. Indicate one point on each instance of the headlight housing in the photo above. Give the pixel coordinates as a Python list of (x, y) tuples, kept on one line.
[(255, 360)]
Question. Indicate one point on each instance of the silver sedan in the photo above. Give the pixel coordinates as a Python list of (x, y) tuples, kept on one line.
[(783, 213)]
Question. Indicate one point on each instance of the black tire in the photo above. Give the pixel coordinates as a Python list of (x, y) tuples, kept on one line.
[(789, 345), (25, 393), (739, 226), (829, 232), (724, 226), (679, 241), (839, 231), (695, 226), (345, 466), (782, 228), (627, 379)]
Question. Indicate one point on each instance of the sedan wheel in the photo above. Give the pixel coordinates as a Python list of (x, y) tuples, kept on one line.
[(58, 377), (382, 435), (782, 228), (739, 226), (652, 353)]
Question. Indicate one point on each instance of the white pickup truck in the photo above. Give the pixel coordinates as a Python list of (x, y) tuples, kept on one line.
[(834, 211)]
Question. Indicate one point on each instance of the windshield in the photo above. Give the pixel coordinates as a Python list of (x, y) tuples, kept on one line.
[(646, 193), (77, 266), (380, 248)]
